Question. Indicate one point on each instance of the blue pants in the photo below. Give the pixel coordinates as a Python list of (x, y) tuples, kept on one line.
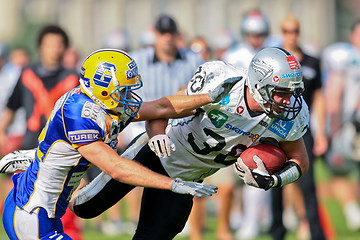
[(19, 224)]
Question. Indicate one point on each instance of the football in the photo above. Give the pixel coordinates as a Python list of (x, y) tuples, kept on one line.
[(272, 156)]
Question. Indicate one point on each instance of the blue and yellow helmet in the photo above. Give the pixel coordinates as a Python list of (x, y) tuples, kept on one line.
[(109, 77)]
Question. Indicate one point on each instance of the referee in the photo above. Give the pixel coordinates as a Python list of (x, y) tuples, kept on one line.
[(165, 67)]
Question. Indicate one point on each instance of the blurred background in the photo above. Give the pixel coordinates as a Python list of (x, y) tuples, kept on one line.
[(128, 24), (88, 22)]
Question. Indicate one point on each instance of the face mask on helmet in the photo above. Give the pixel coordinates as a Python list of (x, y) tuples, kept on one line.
[(274, 77), (109, 77)]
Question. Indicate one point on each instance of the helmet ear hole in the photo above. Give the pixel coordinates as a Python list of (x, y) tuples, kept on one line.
[(104, 93)]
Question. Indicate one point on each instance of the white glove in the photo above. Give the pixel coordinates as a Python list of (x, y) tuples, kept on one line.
[(258, 177), (161, 145), (193, 188), (217, 94)]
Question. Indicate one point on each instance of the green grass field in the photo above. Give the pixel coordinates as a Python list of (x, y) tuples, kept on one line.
[(333, 208)]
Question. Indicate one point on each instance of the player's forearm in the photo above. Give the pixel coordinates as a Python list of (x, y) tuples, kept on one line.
[(156, 127), (122, 169), (133, 173), (175, 106), (182, 104), (296, 152)]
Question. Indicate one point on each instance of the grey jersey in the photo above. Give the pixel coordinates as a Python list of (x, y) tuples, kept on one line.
[(208, 140)]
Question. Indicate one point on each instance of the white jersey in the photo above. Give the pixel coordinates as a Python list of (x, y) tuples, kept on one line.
[(345, 59), (208, 140)]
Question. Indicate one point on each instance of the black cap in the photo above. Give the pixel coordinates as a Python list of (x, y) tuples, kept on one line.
[(165, 24)]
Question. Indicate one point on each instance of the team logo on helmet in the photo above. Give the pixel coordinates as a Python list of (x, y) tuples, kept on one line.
[(133, 70), (263, 68), (103, 76)]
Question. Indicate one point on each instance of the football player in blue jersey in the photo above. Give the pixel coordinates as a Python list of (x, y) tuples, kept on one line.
[(82, 131)]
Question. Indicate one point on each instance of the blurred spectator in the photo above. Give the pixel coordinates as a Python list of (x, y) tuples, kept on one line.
[(39, 86), (118, 40), (200, 46), (9, 74), (222, 41), (3, 54), (71, 59), (254, 30), (147, 37), (342, 87), (305, 201)]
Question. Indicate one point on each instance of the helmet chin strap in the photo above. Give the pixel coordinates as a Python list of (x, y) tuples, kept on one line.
[(84, 88)]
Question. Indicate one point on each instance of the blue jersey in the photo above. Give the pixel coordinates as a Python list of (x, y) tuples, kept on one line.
[(58, 167)]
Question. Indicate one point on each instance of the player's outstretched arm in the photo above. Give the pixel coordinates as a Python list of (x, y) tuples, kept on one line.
[(133, 173), (175, 106), (180, 104)]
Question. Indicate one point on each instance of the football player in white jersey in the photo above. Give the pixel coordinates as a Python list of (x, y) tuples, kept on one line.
[(81, 131), (265, 105), (255, 28)]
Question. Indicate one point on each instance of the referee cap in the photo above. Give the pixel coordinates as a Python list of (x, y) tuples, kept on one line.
[(166, 24)]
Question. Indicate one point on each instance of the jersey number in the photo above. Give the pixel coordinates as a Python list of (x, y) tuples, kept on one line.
[(220, 158)]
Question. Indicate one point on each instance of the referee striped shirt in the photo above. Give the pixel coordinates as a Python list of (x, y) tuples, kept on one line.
[(162, 79)]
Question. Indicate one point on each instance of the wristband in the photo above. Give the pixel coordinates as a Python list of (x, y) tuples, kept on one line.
[(290, 173)]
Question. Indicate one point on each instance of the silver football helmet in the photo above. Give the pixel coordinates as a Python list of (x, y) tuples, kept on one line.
[(255, 23), (276, 70)]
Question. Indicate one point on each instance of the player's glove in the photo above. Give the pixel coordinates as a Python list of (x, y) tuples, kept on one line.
[(161, 145), (193, 188), (223, 89), (258, 177)]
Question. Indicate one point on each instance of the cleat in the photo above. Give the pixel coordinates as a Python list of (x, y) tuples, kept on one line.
[(18, 160)]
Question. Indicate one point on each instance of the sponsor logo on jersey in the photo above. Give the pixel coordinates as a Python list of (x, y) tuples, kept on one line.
[(263, 123), (82, 136), (90, 110), (253, 136), (293, 64), (217, 118), (225, 100), (74, 182), (240, 110), (281, 128), (113, 134)]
